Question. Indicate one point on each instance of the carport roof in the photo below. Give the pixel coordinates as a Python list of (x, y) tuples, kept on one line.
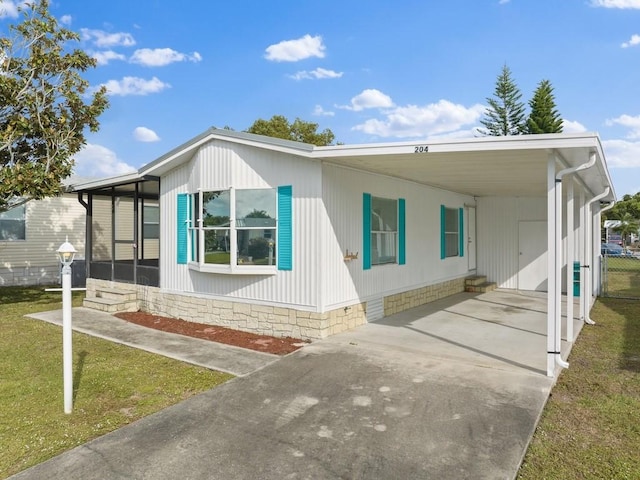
[(487, 166)]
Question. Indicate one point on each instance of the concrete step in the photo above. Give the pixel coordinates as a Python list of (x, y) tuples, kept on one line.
[(475, 280), (116, 294), (110, 305), (481, 288)]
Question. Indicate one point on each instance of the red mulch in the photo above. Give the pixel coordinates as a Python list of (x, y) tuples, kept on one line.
[(261, 343)]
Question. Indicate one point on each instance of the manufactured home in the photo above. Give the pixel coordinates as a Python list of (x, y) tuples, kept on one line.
[(289, 239), (31, 233)]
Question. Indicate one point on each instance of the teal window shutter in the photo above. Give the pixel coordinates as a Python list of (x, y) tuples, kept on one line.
[(401, 232), (443, 237), (366, 231), (461, 231), (183, 212), (285, 228)]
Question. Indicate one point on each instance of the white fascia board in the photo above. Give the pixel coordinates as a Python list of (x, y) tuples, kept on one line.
[(184, 151), (107, 182), (497, 143)]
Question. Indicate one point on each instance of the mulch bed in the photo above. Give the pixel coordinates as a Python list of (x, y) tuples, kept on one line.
[(237, 338)]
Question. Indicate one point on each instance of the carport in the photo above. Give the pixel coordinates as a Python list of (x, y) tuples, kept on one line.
[(566, 173)]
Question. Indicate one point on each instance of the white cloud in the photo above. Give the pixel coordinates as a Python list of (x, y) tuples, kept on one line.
[(569, 126), (159, 57), (443, 117), (135, 86), (144, 134), (633, 123), (616, 3), (105, 56), (319, 111), (104, 39), (98, 161), (634, 40), (294, 50), (369, 98), (66, 19), (318, 73), (622, 153), (9, 8)]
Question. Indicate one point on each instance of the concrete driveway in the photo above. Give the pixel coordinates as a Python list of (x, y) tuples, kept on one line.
[(451, 390)]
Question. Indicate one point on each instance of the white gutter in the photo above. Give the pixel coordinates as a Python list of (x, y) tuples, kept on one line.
[(587, 291)]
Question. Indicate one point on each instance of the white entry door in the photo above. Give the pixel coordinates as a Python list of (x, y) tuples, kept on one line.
[(471, 237), (532, 271)]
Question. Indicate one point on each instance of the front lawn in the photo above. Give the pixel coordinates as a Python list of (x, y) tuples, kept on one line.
[(590, 428), (113, 385)]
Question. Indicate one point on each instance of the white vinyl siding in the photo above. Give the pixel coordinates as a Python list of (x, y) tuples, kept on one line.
[(48, 223), (345, 282), (221, 164)]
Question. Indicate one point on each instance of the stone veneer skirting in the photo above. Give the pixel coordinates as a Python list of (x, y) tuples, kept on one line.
[(400, 302), (271, 320), (261, 319)]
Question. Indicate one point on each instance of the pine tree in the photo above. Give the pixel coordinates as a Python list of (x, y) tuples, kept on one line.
[(544, 118), (505, 115)]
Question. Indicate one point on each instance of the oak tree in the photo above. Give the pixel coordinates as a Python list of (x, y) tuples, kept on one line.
[(298, 131), (45, 107)]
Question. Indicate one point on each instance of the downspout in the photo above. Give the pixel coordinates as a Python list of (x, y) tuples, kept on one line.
[(88, 226), (588, 291), (557, 268), (604, 209)]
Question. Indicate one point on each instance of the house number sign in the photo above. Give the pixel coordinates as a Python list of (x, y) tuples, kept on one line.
[(421, 149)]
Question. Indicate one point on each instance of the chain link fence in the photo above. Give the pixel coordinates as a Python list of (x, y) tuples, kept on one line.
[(621, 276)]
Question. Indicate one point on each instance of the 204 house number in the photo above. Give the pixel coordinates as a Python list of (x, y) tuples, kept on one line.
[(421, 149)]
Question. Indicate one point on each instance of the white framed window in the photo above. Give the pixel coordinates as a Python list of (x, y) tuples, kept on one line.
[(384, 230), (234, 228), (13, 224), (451, 232), (151, 222)]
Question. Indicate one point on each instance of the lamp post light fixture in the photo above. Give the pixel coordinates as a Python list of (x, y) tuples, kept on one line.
[(66, 254)]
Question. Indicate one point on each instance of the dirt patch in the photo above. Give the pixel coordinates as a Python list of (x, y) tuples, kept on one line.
[(237, 338)]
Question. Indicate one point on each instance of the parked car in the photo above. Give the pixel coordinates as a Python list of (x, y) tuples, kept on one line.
[(613, 250)]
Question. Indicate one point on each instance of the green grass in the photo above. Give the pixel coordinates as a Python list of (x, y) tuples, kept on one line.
[(622, 277), (220, 258), (113, 385), (590, 428)]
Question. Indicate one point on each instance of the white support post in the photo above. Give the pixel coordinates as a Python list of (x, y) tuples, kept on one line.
[(67, 342), (582, 254), (570, 260), (551, 264), (590, 253), (557, 271)]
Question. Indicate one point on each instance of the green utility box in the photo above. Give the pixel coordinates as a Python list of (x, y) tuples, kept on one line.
[(576, 279)]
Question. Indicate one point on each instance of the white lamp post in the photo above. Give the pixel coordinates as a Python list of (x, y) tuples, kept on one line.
[(66, 253)]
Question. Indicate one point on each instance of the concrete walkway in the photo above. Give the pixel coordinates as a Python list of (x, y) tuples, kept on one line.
[(451, 390), (216, 356)]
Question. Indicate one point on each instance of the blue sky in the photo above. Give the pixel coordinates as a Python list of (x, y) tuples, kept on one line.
[(370, 71)]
